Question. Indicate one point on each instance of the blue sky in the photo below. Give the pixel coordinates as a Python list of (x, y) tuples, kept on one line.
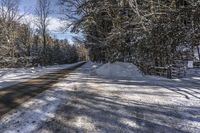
[(55, 25)]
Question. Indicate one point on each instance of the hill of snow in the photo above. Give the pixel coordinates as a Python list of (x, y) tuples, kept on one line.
[(119, 70)]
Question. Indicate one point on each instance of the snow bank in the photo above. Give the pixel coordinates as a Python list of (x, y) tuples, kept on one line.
[(119, 70)]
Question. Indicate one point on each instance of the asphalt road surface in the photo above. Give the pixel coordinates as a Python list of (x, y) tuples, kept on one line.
[(13, 96)]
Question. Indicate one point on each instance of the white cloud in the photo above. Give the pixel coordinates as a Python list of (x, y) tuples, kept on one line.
[(55, 24)]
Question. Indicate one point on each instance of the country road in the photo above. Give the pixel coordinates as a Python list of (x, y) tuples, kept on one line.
[(85, 102), (15, 95), (100, 66)]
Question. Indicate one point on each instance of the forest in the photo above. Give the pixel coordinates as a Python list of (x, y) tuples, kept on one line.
[(144, 32), (154, 33), (23, 46)]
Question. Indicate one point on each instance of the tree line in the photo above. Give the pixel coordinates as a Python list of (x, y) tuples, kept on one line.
[(145, 32), (21, 45)]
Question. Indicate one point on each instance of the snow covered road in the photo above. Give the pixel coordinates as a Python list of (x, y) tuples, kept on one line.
[(15, 95), (147, 105), (11, 76), (84, 102)]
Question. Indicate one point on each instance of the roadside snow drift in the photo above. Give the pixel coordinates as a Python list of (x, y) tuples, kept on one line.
[(119, 70)]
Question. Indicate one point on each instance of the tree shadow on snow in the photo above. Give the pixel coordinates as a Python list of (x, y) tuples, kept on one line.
[(90, 110)]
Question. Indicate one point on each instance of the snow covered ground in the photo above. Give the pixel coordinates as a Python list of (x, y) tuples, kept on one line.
[(194, 72), (119, 70), (86, 102), (11, 76), (30, 115)]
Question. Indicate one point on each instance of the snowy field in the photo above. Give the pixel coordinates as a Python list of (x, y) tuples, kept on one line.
[(87, 102), (11, 76)]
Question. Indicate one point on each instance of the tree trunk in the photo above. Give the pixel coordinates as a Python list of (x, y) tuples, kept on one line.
[(44, 48), (198, 51)]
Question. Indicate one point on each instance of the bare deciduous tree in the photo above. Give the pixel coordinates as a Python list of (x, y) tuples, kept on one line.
[(43, 11), (8, 17)]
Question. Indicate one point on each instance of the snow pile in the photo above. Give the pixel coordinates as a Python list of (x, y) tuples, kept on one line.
[(119, 70)]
